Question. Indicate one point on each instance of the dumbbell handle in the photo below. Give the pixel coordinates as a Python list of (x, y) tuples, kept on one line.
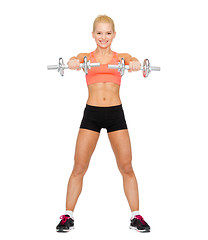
[(52, 67), (127, 67), (91, 65)]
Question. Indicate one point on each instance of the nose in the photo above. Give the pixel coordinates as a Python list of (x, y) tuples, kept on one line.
[(103, 36)]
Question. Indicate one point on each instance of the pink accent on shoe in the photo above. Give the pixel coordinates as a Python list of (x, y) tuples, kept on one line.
[(64, 219), (140, 218)]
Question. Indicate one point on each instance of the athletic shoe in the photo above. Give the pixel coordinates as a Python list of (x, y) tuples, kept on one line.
[(138, 224), (65, 224)]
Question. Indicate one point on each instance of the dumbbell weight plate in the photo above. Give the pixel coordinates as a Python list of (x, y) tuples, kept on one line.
[(61, 66), (146, 68)]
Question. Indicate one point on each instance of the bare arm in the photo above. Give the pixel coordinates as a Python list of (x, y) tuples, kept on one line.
[(133, 62), (127, 57), (80, 57), (74, 62)]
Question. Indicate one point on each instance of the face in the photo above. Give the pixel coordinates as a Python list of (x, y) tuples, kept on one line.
[(103, 34)]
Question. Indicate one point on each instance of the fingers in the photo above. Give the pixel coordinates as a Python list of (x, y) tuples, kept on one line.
[(73, 64), (134, 66)]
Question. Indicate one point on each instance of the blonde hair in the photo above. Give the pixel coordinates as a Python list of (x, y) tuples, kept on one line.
[(103, 19)]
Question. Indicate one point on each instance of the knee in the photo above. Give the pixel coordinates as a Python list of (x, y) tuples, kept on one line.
[(126, 170), (79, 170)]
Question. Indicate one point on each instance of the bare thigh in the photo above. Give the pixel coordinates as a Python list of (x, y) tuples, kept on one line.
[(121, 145), (85, 146)]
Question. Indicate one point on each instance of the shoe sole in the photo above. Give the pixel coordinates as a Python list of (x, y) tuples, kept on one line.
[(142, 231), (64, 231)]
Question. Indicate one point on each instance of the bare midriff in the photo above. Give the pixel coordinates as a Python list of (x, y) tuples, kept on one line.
[(104, 94)]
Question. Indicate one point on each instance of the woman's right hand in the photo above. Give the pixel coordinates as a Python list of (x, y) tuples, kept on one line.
[(74, 63)]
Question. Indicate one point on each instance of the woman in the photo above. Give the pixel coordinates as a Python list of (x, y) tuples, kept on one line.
[(103, 110)]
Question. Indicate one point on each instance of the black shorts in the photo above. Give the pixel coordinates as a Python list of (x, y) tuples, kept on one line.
[(112, 118)]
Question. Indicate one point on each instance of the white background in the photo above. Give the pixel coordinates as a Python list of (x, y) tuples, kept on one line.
[(41, 113)]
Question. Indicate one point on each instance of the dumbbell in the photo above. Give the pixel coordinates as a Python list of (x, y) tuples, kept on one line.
[(61, 66), (146, 68)]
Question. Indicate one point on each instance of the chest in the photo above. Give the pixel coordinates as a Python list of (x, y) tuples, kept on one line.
[(104, 59)]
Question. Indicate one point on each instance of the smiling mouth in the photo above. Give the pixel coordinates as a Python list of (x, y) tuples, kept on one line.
[(103, 42)]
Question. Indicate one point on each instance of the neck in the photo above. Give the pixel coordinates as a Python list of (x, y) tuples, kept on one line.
[(103, 51)]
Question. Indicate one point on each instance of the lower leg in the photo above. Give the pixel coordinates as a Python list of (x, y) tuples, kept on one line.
[(131, 190), (73, 191)]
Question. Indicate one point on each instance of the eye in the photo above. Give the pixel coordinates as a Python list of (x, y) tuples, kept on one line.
[(98, 32), (109, 33)]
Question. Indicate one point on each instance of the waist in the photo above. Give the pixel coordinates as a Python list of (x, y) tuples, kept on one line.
[(97, 108), (103, 102), (104, 94)]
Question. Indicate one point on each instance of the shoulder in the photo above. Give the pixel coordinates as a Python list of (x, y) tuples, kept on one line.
[(82, 55)]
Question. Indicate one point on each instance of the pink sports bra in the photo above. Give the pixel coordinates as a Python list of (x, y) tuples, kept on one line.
[(103, 73)]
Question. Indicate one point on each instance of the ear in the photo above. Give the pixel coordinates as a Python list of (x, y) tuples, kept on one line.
[(93, 34), (114, 34)]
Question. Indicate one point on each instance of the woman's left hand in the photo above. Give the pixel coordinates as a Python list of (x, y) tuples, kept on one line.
[(134, 66)]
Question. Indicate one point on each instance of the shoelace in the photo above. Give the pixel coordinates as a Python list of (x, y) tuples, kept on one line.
[(140, 218), (64, 218)]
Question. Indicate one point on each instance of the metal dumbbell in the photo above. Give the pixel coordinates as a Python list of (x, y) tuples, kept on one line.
[(146, 68), (61, 66)]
